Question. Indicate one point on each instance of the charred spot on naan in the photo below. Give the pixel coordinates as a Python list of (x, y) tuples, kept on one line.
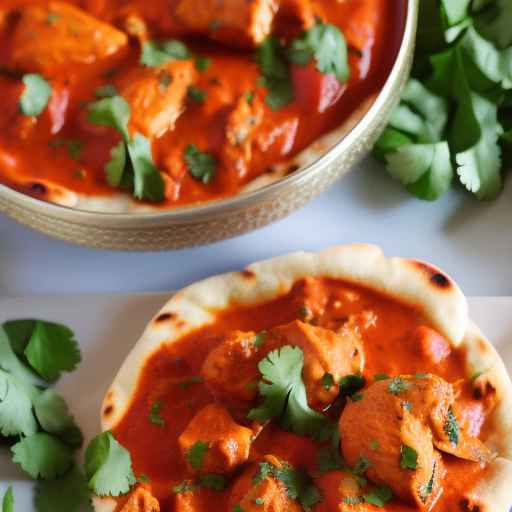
[(436, 278), (248, 275)]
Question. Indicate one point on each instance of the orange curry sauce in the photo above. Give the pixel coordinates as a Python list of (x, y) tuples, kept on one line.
[(32, 152), (389, 346)]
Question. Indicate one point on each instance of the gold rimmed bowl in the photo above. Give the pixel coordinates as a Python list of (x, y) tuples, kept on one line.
[(319, 167)]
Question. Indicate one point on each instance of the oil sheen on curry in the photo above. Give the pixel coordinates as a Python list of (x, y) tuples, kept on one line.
[(332, 398), (183, 101)]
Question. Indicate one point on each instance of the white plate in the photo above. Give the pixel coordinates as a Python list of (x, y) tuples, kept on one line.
[(107, 326)]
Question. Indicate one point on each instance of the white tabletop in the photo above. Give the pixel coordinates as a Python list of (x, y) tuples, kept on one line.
[(472, 241)]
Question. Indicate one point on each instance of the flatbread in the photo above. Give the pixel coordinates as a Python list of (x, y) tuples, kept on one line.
[(411, 282)]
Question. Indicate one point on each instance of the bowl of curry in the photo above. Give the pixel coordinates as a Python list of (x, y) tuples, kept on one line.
[(157, 125), (339, 381)]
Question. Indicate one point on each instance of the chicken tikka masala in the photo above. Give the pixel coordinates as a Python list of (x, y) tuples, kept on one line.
[(183, 101), (330, 398)]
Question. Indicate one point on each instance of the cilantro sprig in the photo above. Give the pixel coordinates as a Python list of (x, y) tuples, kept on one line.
[(284, 395), (200, 164), (35, 96), (452, 121), (8, 501), (157, 53), (131, 164)]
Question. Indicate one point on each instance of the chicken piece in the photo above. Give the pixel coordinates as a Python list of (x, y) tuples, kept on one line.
[(341, 492), (257, 491), (431, 345), (309, 299), (193, 498), (395, 431), (141, 500), (157, 96), (47, 38), (325, 352), (242, 123), (242, 24), (228, 444), (231, 369)]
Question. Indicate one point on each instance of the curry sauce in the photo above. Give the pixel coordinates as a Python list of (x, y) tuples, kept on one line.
[(395, 340), (210, 100)]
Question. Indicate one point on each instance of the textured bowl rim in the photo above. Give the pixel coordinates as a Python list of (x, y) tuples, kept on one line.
[(220, 207)]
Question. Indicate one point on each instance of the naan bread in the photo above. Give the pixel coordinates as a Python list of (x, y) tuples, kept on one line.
[(409, 281)]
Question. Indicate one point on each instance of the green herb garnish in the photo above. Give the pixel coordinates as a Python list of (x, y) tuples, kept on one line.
[(36, 95)]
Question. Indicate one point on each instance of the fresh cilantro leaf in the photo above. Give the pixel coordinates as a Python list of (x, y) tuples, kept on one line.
[(455, 10), (52, 349), (196, 94), (356, 397), (183, 487), (157, 53), (378, 496), (213, 481), (52, 412), (426, 490), (195, 455), (495, 22), (284, 395), (408, 457), (203, 63), (72, 436), (69, 493), (16, 415), (143, 478), (381, 376), (326, 45), (116, 166), (397, 386), (271, 58), (351, 384), (327, 381), (259, 501), (148, 183), (154, 414), (238, 508), (42, 456), (106, 91), (19, 333), (108, 466), (113, 112), (36, 95), (201, 165), (451, 427), (8, 500)]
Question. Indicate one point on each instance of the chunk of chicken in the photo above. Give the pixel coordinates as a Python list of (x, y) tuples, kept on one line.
[(48, 37), (310, 298), (256, 492), (241, 126), (193, 498), (141, 500), (245, 24), (227, 443), (325, 352), (157, 95), (396, 429), (231, 369)]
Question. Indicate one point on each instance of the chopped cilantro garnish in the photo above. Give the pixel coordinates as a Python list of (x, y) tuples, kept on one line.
[(213, 481), (131, 160), (284, 395), (186, 383), (201, 165), (157, 53), (36, 95), (8, 500), (351, 384), (421, 375), (249, 97), (476, 375), (108, 466), (271, 58), (407, 405), (154, 414), (203, 63), (73, 146), (106, 91), (196, 94), (378, 496), (238, 508), (326, 45), (327, 381), (195, 455), (260, 338), (380, 376), (143, 478), (408, 457), (451, 427), (374, 445), (362, 465), (259, 501), (183, 487), (398, 385), (356, 397)]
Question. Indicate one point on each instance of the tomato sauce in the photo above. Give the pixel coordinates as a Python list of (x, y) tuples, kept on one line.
[(387, 329), (34, 151)]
